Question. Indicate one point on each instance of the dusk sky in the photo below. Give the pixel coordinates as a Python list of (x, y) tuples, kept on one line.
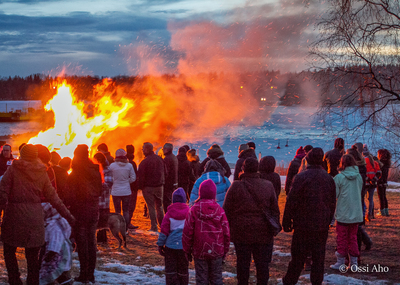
[(125, 37)]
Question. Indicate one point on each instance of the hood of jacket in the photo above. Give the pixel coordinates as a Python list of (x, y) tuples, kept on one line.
[(215, 153), (351, 172), (193, 158), (121, 162), (250, 152), (33, 170), (267, 164), (208, 209), (181, 157), (178, 211)]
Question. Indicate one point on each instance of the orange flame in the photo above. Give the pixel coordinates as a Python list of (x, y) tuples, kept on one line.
[(72, 124)]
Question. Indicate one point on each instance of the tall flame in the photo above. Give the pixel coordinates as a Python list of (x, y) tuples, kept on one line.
[(72, 124)]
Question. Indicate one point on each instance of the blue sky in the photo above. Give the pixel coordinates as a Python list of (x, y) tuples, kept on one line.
[(109, 38)]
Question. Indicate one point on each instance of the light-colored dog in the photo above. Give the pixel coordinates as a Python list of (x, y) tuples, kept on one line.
[(116, 224)]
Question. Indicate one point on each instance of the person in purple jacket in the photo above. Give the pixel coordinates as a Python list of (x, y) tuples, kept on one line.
[(170, 240)]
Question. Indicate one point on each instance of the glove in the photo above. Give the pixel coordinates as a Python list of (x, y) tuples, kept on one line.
[(287, 227), (161, 250), (188, 257), (49, 256)]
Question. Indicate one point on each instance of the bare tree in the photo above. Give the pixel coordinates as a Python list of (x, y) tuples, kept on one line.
[(357, 56)]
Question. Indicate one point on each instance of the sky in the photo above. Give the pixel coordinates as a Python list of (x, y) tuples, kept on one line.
[(131, 37)]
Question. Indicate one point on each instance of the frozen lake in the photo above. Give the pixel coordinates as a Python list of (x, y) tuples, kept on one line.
[(294, 126)]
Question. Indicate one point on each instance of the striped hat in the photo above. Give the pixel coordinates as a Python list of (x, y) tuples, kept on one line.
[(29, 152)]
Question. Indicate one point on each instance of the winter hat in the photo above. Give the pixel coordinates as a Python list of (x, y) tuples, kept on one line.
[(339, 143), (65, 163), (120, 153), (81, 151), (182, 150), (365, 150), (43, 153), (55, 158), (315, 156), (186, 147), (179, 196), (102, 147), (167, 148), (300, 151), (243, 147), (307, 148), (250, 165), (29, 152), (208, 189), (251, 145), (130, 149)]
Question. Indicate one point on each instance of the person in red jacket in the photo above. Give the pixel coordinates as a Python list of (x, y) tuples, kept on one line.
[(206, 235), (373, 174)]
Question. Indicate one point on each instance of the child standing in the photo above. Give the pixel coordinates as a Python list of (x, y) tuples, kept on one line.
[(170, 240), (206, 235)]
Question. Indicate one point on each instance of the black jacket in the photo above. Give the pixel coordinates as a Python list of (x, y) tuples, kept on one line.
[(151, 171), (311, 202), (218, 155), (331, 161), (242, 157), (171, 171), (134, 185), (247, 222), (291, 173), (266, 169), (5, 163), (185, 172)]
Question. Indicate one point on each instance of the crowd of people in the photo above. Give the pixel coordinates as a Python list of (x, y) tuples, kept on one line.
[(51, 204)]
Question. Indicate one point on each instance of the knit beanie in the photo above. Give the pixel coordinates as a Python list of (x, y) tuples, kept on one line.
[(182, 150), (300, 151), (179, 196), (315, 156), (29, 152), (55, 158), (208, 189), (81, 151), (307, 148), (120, 153), (43, 153), (250, 165), (251, 145), (365, 150), (243, 147)]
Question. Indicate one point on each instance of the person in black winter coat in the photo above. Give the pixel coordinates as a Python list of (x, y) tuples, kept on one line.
[(294, 168), (215, 152), (151, 179), (185, 172), (194, 162), (103, 148), (244, 152), (244, 205), (309, 209), (84, 190), (266, 169), (332, 158), (384, 157), (171, 175), (130, 154)]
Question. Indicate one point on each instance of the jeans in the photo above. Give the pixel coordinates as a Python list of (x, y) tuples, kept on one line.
[(132, 204), (33, 264), (85, 235), (347, 239), (382, 197), (125, 200), (176, 267), (370, 191), (208, 271), (303, 242), (262, 254), (153, 197)]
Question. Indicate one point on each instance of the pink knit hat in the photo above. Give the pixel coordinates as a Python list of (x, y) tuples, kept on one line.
[(208, 189)]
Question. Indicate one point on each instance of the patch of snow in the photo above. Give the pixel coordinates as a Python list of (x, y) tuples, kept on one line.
[(395, 187), (280, 253)]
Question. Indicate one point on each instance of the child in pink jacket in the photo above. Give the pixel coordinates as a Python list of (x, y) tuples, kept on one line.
[(206, 235)]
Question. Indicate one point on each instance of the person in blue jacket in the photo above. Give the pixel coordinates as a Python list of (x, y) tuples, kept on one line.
[(214, 171)]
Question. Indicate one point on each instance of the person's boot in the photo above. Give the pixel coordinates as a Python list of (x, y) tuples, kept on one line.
[(353, 261), (366, 239), (387, 212), (340, 261)]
